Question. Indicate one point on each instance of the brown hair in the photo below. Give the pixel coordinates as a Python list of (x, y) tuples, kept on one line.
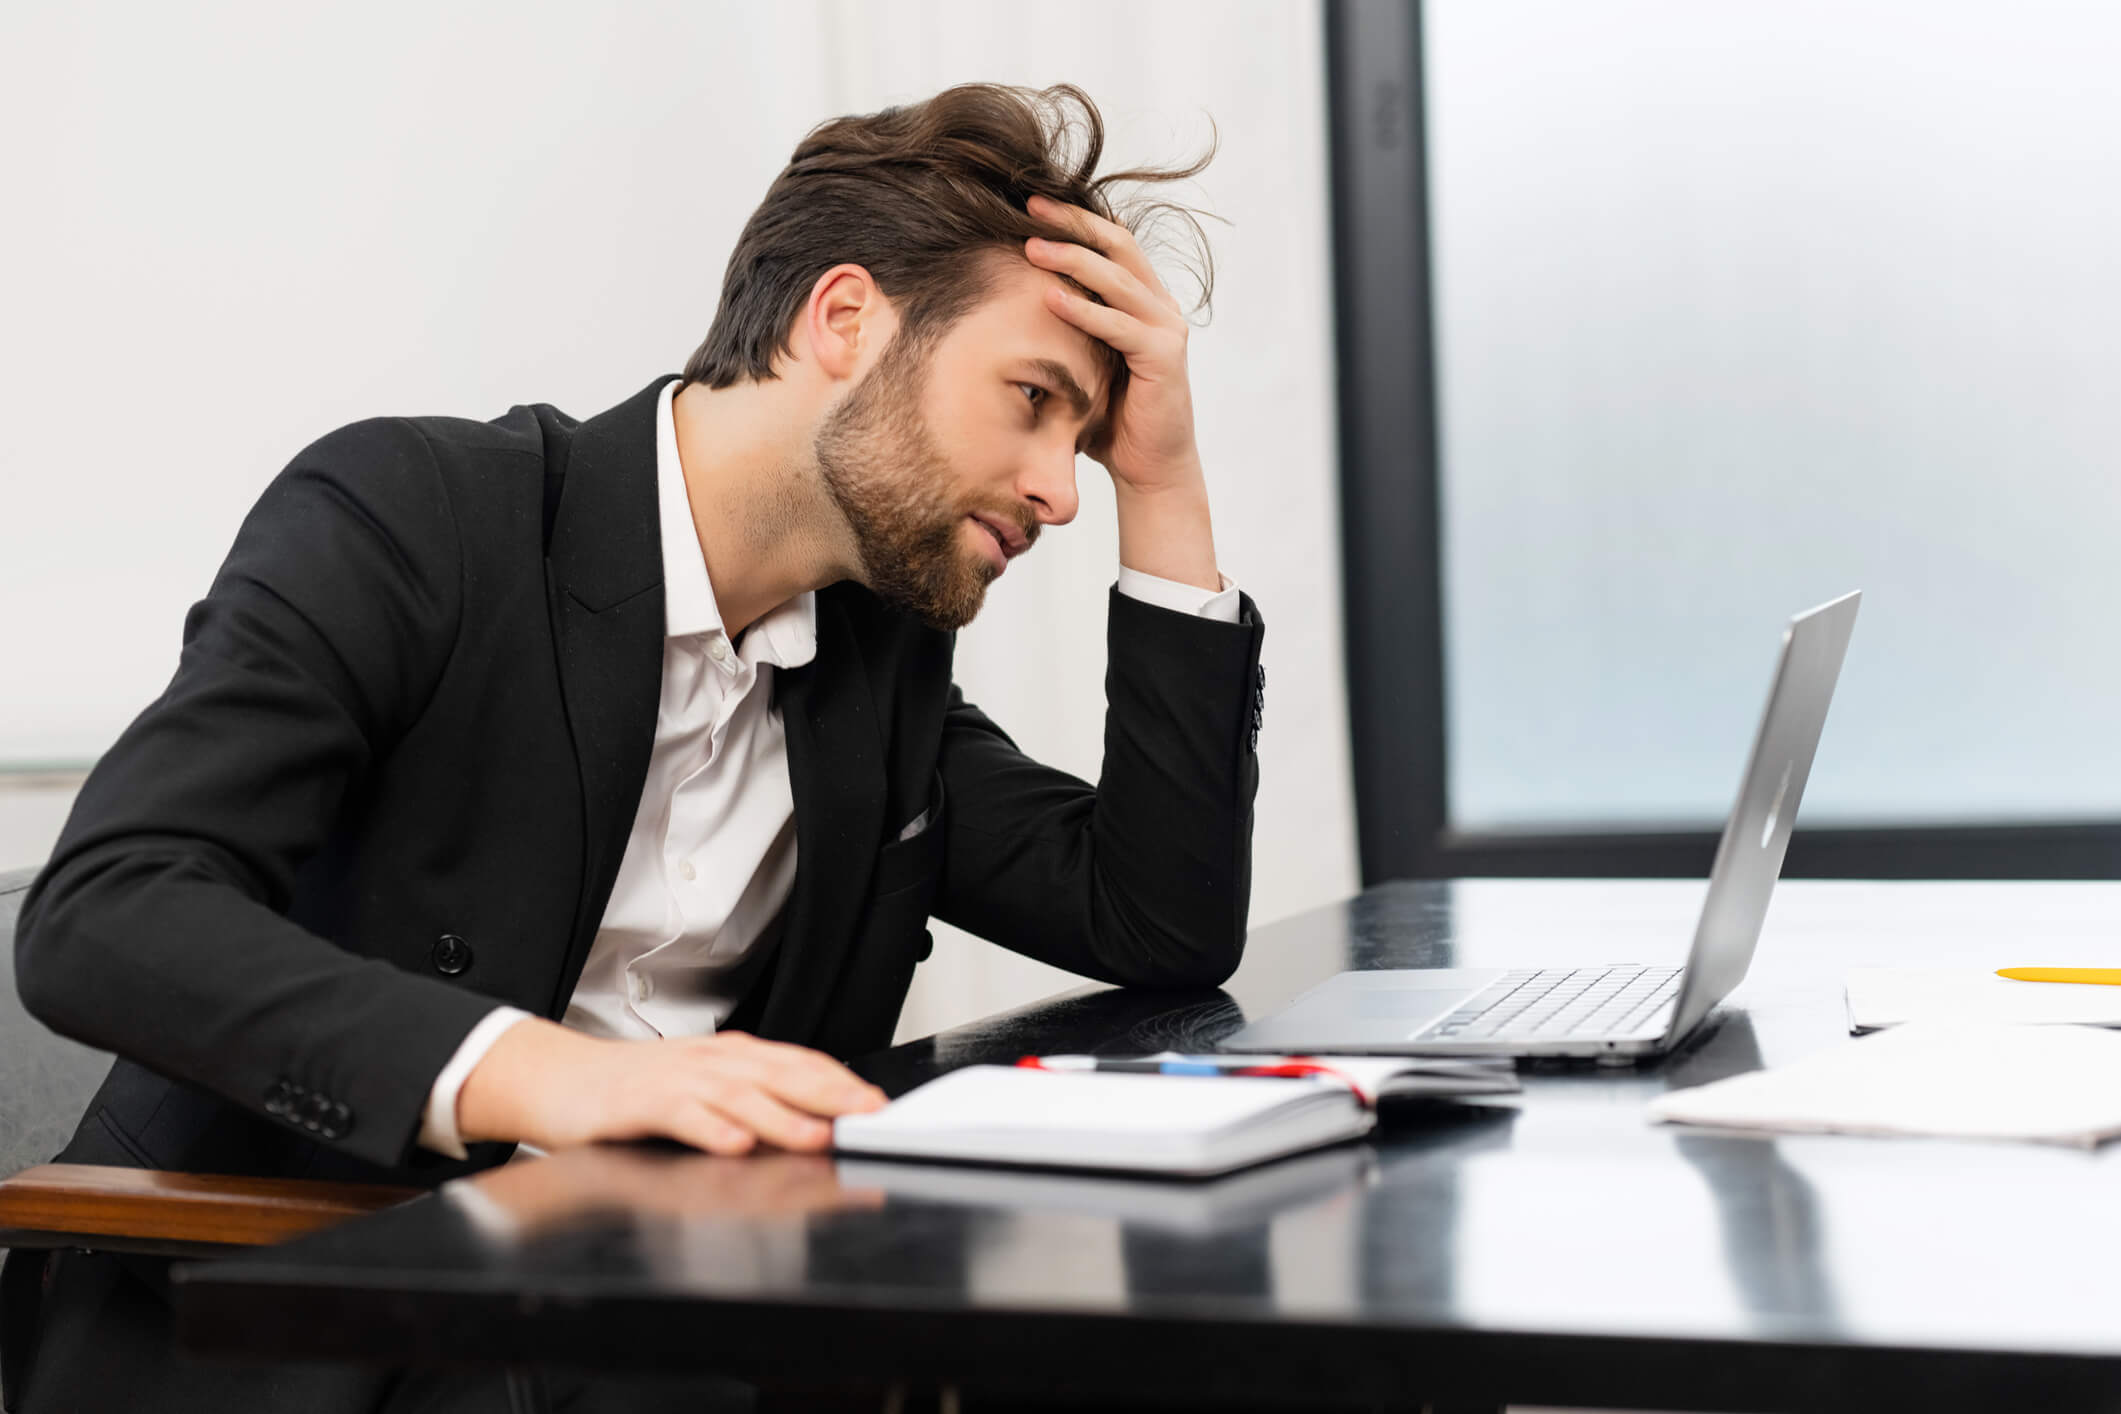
[(918, 196)]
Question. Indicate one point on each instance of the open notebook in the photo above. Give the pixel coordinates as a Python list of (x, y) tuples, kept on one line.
[(1171, 1124)]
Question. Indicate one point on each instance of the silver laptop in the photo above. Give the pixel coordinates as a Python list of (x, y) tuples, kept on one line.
[(1612, 1011)]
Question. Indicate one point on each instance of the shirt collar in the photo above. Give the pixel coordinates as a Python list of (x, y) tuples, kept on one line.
[(786, 637)]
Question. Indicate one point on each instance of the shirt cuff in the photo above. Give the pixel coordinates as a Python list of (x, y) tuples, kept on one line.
[(438, 1123), (1181, 598)]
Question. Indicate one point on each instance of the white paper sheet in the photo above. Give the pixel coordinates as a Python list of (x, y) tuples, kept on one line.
[(1889, 996), (2055, 1084)]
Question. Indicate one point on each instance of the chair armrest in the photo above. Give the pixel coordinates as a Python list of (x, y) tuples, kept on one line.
[(151, 1210)]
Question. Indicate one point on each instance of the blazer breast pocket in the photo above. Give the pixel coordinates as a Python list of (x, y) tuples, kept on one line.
[(914, 856)]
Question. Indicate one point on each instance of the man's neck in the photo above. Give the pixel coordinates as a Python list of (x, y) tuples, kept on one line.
[(765, 526)]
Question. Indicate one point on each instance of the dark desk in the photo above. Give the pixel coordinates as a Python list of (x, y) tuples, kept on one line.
[(1558, 1250)]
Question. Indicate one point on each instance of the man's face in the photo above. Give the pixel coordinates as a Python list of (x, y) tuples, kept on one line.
[(947, 466)]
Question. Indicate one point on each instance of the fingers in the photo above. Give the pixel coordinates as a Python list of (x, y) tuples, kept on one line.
[(807, 1079), (1119, 287), (1108, 237), (744, 1103), (703, 1128), (735, 1117), (738, 1092), (1112, 326), (727, 1094), (1138, 317)]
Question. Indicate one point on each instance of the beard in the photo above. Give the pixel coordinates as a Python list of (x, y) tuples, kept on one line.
[(879, 462)]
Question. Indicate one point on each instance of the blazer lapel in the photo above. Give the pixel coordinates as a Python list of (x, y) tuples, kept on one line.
[(604, 579), (836, 771)]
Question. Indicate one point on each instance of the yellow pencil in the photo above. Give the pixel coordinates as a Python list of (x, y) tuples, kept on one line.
[(2104, 976)]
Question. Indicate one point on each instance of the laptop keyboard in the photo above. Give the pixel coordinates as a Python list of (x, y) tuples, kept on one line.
[(1564, 1003)]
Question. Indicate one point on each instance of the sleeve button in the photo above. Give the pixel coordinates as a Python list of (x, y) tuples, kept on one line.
[(451, 955)]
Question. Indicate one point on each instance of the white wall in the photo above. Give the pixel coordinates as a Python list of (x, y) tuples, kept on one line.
[(235, 226), (32, 808), (1747, 304), (241, 224)]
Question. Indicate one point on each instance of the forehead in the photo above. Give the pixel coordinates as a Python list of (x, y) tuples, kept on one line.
[(1012, 323)]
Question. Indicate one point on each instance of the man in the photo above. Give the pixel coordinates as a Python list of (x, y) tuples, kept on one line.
[(542, 782)]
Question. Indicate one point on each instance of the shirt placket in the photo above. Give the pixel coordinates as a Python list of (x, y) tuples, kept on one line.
[(720, 683)]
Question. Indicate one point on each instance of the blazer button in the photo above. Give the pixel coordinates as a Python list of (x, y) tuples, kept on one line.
[(280, 1098), (339, 1123), (451, 955)]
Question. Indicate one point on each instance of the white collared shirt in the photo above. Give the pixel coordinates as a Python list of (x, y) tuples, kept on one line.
[(695, 910)]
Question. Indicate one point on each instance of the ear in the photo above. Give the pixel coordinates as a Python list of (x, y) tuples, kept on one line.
[(848, 321)]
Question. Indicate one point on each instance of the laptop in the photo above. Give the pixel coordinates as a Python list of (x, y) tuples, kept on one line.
[(1608, 1012)]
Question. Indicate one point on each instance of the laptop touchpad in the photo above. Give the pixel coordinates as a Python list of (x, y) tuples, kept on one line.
[(1411, 1007), (1359, 1010)]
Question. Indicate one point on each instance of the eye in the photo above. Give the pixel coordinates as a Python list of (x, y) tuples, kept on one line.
[(1034, 393)]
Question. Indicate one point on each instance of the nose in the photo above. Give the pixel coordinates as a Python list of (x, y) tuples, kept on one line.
[(1049, 485)]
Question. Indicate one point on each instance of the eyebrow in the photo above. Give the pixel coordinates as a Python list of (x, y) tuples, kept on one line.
[(1058, 373)]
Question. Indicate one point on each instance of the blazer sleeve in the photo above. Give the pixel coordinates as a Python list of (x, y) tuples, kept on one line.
[(1145, 878), (157, 928)]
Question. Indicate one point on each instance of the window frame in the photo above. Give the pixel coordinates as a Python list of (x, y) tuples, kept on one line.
[(1391, 541)]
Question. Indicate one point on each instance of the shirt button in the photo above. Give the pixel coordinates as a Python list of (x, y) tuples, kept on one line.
[(642, 986), (718, 649), (687, 872)]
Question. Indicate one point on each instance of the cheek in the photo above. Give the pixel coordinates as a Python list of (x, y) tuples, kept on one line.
[(980, 447), (960, 423)]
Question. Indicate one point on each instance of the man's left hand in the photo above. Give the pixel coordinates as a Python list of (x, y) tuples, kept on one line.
[(1147, 439)]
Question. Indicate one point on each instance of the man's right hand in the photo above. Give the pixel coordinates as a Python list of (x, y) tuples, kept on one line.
[(544, 1084)]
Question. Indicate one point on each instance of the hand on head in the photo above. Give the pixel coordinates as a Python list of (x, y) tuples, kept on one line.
[(1147, 441)]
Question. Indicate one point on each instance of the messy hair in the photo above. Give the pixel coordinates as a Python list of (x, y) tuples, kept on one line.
[(922, 196)]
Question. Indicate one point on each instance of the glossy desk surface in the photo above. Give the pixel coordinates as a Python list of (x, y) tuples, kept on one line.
[(1554, 1248)]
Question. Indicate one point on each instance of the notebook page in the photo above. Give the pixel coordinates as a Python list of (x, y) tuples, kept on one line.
[(996, 1099)]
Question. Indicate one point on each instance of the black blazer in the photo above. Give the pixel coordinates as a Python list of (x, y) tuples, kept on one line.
[(392, 779)]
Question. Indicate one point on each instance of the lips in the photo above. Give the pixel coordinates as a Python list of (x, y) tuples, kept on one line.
[(991, 544), (1001, 540), (1012, 540)]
